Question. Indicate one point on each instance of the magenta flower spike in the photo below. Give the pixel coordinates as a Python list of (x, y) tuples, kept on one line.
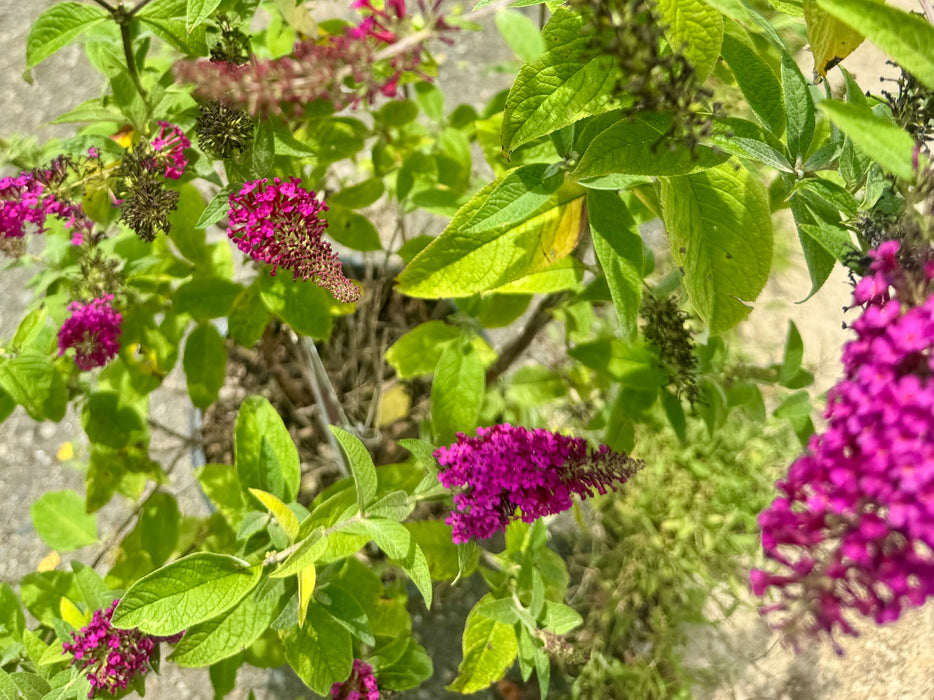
[(92, 330), (852, 529), (112, 657), (361, 685), (505, 468), (170, 144), (280, 223)]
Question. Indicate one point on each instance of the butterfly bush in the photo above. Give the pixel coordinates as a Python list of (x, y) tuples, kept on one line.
[(852, 530), (361, 685), (112, 657), (92, 330), (280, 223), (505, 468)]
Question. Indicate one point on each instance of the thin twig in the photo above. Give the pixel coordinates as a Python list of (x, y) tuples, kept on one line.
[(928, 11), (139, 7), (135, 513), (106, 5), (517, 345)]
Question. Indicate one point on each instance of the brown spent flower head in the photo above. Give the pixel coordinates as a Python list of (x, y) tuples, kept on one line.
[(664, 328)]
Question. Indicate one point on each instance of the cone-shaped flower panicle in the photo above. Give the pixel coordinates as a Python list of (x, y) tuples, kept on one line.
[(170, 144), (505, 467), (92, 330), (280, 223), (852, 529), (111, 657), (361, 685)]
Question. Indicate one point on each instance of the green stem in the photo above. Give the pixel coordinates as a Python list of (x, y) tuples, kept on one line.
[(131, 61)]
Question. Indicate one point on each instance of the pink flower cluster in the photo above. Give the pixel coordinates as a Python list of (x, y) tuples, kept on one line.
[(28, 199), (361, 685), (170, 144), (319, 69), (853, 527), (92, 330), (504, 468), (280, 223), (111, 657)]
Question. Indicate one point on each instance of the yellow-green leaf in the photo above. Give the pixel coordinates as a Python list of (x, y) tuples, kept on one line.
[(306, 586), (831, 40), (520, 224), (720, 228), (490, 647), (280, 511)]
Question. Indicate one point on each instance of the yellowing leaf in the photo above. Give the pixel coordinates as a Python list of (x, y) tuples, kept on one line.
[(70, 613), (394, 403), (280, 511), (831, 40), (306, 586), (49, 562), (65, 452)]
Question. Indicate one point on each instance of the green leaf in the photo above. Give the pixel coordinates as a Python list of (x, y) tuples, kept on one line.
[(618, 246), (457, 391), (266, 457), (566, 83), (61, 521), (303, 305), (249, 317), (8, 688), (94, 591), (27, 378), (799, 109), (720, 229), (399, 545), (57, 27), (109, 421), (159, 527), (416, 353), (264, 148), (361, 466), (186, 592), (344, 607), (521, 33), (402, 671), (521, 223), (217, 208), (696, 30), (320, 651), (434, 537), (490, 648), (758, 82), (206, 297), (906, 37), (223, 636), (880, 139), (360, 195), (352, 229), (205, 364), (639, 146), (198, 11)]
